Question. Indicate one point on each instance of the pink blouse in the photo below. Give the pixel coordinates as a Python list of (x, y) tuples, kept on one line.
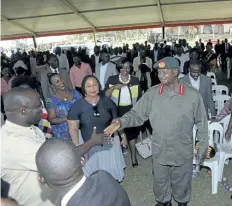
[(5, 86)]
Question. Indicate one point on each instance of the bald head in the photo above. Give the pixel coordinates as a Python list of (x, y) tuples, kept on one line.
[(59, 163), (22, 106), (18, 97)]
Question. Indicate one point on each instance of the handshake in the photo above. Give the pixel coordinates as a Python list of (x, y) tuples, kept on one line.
[(105, 138)]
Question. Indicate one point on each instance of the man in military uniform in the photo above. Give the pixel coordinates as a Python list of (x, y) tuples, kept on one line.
[(173, 109)]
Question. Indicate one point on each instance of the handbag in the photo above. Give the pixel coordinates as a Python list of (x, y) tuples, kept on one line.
[(144, 146)]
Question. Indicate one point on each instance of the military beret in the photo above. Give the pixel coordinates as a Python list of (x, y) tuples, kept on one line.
[(167, 63)]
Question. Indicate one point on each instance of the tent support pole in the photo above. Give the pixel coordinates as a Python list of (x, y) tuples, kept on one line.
[(95, 38), (163, 32), (34, 41)]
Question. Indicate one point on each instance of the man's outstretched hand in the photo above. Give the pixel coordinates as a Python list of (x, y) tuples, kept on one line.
[(99, 139), (114, 126)]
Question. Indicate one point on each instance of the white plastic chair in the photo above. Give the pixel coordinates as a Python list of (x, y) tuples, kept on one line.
[(214, 81), (219, 89), (211, 75), (219, 101), (213, 163), (226, 148)]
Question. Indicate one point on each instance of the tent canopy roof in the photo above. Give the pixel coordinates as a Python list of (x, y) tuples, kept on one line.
[(26, 18)]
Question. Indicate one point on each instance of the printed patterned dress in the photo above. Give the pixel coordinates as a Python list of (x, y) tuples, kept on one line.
[(44, 124), (62, 107), (227, 109)]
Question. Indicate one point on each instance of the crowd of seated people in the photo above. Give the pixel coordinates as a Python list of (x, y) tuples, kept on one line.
[(79, 96)]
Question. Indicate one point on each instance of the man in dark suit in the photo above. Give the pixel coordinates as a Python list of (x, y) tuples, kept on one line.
[(224, 53), (59, 164), (202, 45), (217, 48), (155, 55), (95, 58), (201, 83), (54, 68)]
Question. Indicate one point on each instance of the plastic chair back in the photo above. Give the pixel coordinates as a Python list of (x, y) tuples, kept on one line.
[(220, 90), (219, 101)]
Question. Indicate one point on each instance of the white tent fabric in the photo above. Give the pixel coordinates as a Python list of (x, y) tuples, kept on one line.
[(47, 17)]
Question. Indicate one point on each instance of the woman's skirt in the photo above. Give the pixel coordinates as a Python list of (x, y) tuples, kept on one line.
[(107, 157), (131, 132)]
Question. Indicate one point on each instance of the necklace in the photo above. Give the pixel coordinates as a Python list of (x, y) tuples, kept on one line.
[(120, 79), (93, 102), (66, 96)]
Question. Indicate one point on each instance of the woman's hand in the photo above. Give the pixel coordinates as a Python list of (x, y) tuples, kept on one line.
[(98, 139), (118, 86), (113, 127), (124, 140)]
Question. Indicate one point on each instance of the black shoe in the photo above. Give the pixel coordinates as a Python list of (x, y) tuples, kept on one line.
[(182, 204), (164, 204), (135, 164)]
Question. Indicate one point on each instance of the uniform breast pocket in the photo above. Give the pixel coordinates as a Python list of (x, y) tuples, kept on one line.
[(185, 108)]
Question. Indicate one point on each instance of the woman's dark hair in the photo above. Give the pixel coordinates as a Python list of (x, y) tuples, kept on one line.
[(51, 56), (121, 62), (22, 80), (50, 75), (10, 70), (39, 59), (85, 80), (76, 55)]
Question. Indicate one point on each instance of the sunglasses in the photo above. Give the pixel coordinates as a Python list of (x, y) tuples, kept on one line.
[(96, 112)]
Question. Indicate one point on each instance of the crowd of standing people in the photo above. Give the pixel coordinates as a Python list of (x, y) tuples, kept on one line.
[(61, 107)]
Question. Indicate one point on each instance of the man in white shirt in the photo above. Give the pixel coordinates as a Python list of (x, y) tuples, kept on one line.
[(156, 55), (59, 165), (105, 69), (186, 48), (181, 56), (63, 60), (95, 58), (20, 142), (33, 62)]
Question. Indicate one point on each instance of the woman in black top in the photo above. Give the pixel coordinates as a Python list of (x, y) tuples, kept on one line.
[(124, 90), (96, 111)]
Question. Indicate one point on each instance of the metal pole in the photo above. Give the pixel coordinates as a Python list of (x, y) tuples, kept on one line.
[(163, 32), (95, 38), (34, 41)]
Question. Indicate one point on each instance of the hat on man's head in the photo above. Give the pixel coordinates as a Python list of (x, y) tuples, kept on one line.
[(167, 63)]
